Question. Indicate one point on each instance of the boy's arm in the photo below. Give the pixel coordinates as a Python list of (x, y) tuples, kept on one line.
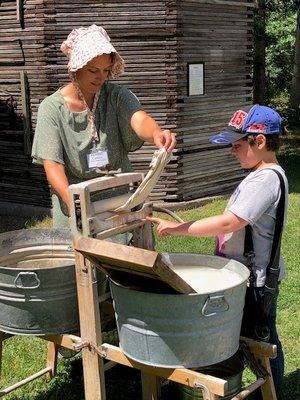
[(212, 226)]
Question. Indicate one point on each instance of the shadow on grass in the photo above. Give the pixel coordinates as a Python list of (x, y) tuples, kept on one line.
[(291, 386), (291, 164), (121, 383), (289, 159)]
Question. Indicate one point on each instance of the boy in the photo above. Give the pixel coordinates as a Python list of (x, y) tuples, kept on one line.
[(254, 137)]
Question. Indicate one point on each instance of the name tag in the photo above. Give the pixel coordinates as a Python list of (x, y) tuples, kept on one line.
[(97, 159)]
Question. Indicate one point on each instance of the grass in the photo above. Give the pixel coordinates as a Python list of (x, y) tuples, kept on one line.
[(25, 355)]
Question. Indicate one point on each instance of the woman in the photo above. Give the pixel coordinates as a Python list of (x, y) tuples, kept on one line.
[(90, 123)]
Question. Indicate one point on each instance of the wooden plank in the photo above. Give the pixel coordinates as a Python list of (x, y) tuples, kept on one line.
[(151, 389), (90, 329), (268, 388), (20, 12), (111, 256), (26, 112), (184, 376), (260, 348), (52, 355)]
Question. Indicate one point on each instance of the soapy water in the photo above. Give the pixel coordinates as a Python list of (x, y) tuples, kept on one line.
[(205, 279)]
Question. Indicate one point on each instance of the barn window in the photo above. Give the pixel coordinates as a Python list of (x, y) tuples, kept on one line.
[(195, 79)]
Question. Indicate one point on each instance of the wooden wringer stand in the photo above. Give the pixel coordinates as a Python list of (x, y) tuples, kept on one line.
[(94, 221)]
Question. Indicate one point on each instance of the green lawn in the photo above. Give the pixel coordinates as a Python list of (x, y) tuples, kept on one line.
[(24, 355)]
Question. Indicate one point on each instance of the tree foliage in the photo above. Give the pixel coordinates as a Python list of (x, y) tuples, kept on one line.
[(280, 35), (280, 39)]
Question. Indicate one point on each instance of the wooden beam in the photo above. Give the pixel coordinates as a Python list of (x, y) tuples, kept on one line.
[(4, 392), (20, 12), (184, 376), (150, 386), (26, 115), (90, 328), (260, 348), (225, 3), (52, 354)]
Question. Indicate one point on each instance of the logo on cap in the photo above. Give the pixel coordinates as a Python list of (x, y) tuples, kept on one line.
[(257, 128), (238, 119)]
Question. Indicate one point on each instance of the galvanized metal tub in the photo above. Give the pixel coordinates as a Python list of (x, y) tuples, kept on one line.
[(231, 370), (178, 330), (37, 282)]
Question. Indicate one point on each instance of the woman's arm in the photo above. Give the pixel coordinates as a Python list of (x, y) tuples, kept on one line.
[(149, 131), (57, 178), (212, 226)]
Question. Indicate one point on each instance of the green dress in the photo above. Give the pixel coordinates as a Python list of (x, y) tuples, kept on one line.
[(65, 137)]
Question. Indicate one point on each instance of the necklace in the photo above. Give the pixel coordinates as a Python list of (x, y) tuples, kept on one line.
[(90, 112)]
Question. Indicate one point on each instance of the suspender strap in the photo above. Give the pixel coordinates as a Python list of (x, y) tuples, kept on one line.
[(248, 244), (249, 253), (272, 270)]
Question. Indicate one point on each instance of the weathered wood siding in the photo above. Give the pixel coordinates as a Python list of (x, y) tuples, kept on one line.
[(22, 74), (218, 34), (157, 40)]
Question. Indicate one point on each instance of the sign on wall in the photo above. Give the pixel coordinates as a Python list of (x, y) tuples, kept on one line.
[(195, 79)]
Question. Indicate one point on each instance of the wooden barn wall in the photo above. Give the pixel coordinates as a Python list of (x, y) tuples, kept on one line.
[(156, 39), (218, 34), (22, 63)]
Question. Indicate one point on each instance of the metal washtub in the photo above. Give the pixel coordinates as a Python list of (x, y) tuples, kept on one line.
[(182, 330), (230, 370), (37, 282)]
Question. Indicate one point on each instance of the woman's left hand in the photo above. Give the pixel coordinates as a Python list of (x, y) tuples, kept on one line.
[(165, 138)]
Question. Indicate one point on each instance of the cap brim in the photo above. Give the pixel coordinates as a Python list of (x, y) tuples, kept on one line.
[(226, 137)]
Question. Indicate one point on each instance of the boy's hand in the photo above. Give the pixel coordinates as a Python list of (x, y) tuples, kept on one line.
[(164, 228)]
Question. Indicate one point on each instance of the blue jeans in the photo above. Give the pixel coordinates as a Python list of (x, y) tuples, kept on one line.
[(277, 364)]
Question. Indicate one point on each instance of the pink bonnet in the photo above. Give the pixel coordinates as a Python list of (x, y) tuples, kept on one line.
[(84, 44)]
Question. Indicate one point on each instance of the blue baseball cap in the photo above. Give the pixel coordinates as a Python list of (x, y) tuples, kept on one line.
[(250, 120)]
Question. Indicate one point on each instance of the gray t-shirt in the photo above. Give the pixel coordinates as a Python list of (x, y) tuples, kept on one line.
[(65, 137), (255, 200)]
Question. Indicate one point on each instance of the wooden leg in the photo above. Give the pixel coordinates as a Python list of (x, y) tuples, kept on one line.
[(262, 353), (150, 386), (52, 358), (268, 388), (90, 328)]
